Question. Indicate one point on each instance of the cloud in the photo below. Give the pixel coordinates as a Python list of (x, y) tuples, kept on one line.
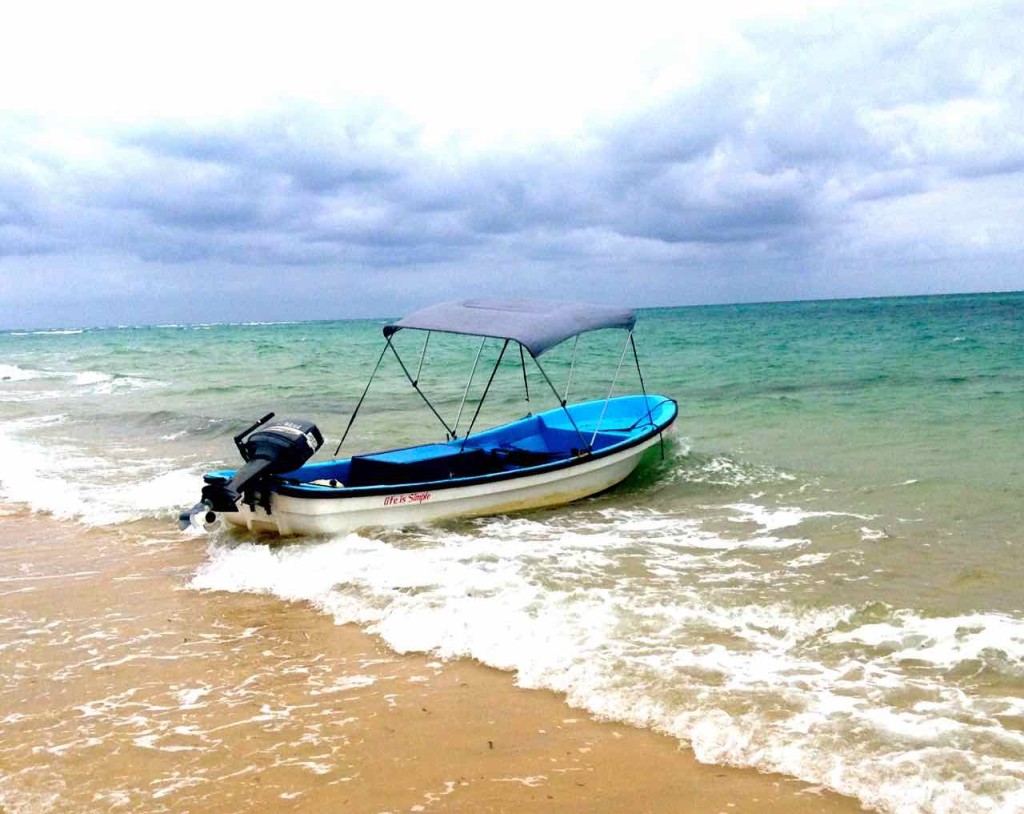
[(841, 137)]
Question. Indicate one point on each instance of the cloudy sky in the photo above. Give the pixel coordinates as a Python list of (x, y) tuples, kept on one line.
[(218, 162)]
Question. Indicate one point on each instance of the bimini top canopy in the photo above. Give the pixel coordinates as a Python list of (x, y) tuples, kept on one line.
[(537, 325)]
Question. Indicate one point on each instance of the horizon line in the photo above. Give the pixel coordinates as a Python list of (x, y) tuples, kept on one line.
[(40, 330)]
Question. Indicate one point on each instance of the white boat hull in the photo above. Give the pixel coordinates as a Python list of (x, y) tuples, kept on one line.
[(290, 515)]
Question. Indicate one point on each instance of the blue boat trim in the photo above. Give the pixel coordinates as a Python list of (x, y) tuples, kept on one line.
[(651, 415)]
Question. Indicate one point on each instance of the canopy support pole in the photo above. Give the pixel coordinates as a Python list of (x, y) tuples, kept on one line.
[(643, 389), (526, 384), (572, 366), (615, 378), (416, 386), (472, 373), (359, 404), (483, 396), (561, 402), (423, 353)]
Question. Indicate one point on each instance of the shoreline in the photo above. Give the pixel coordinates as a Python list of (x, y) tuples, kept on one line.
[(126, 690)]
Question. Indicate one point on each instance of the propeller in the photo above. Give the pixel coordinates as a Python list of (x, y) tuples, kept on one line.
[(201, 517)]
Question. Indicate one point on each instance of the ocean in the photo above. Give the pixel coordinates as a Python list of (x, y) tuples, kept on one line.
[(820, 575)]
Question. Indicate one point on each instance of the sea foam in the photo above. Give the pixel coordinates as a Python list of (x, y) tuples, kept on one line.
[(806, 691), (95, 488)]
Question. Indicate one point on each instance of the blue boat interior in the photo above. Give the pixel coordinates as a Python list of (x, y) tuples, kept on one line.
[(595, 427)]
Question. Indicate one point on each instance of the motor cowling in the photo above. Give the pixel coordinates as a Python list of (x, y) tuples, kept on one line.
[(267, 450), (287, 444)]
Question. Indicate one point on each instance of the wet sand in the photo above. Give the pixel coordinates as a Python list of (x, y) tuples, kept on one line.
[(121, 689)]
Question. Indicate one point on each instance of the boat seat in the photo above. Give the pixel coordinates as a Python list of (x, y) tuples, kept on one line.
[(421, 465)]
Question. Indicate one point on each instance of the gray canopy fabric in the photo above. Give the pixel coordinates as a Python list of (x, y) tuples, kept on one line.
[(537, 325)]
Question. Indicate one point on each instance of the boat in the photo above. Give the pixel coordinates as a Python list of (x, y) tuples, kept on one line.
[(554, 457)]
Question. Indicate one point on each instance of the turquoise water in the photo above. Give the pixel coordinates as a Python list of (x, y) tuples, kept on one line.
[(822, 578)]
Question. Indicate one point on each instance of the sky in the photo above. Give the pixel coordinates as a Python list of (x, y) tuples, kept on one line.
[(219, 162)]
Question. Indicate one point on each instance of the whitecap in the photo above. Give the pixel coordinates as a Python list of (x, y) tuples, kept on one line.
[(13, 373)]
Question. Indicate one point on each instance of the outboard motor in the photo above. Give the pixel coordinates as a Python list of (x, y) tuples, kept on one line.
[(283, 446)]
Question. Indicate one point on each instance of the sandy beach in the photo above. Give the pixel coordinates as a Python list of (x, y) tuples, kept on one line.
[(124, 690)]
